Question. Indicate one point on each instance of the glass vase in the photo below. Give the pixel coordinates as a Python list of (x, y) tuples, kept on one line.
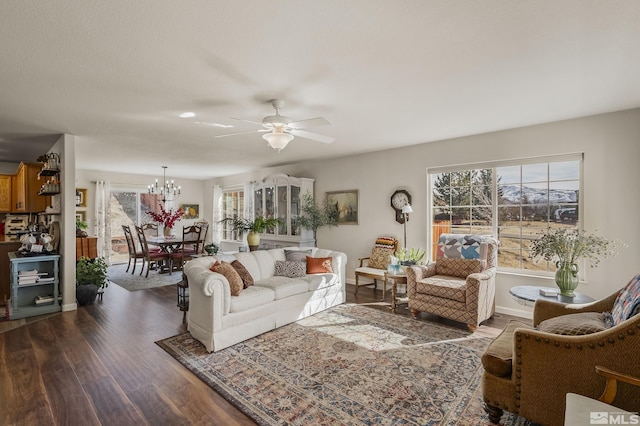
[(567, 278)]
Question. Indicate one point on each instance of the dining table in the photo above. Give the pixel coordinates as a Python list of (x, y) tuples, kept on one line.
[(169, 244)]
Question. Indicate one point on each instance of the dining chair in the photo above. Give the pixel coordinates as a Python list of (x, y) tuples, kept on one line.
[(151, 230), (191, 244), (134, 253), (150, 256), (203, 233)]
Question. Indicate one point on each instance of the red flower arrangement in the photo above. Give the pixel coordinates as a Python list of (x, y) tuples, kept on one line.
[(167, 218)]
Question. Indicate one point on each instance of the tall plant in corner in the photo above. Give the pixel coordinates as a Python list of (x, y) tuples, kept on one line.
[(313, 216)]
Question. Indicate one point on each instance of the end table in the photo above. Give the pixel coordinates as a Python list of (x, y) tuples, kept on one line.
[(395, 280)]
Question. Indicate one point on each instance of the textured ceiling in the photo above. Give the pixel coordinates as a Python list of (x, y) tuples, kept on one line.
[(116, 74)]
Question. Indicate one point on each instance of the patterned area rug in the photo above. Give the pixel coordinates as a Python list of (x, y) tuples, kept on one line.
[(349, 365), (117, 275)]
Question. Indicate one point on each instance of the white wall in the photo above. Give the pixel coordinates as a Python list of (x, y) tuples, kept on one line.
[(192, 191), (611, 146)]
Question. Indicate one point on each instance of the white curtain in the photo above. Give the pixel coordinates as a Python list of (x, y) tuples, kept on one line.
[(217, 214), (249, 208), (102, 222)]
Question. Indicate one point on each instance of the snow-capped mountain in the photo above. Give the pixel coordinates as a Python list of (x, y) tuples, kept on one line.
[(537, 196)]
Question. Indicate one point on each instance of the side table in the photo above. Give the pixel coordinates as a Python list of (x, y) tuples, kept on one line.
[(395, 280), (528, 294)]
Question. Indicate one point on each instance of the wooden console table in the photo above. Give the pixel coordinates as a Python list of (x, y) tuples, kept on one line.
[(86, 247)]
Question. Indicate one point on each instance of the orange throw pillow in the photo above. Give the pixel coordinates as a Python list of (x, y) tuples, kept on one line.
[(319, 265), (235, 282)]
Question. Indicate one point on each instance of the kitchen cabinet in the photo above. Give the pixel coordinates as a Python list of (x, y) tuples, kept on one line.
[(280, 196), (32, 296), (26, 186), (5, 193)]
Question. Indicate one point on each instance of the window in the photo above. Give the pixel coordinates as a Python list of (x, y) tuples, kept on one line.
[(233, 207), (517, 201)]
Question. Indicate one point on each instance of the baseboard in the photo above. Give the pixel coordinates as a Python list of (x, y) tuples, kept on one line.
[(514, 312)]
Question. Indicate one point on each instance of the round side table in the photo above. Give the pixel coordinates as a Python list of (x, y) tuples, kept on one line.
[(528, 294)]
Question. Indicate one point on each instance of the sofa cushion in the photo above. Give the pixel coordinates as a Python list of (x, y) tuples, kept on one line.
[(443, 286), (251, 297), (319, 265), (627, 303), (235, 282), (297, 255), (290, 269), (459, 267), (574, 324), (318, 281), (247, 279), (497, 358), (283, 286)]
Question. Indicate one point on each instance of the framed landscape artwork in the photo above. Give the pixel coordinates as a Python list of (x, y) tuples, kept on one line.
[(190, 211), (346, 202)]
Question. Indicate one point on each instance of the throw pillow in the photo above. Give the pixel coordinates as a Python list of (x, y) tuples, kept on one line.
[(380, 258), (247, 279), (212, 268), (297, 255), (285, 268), (574, 324), (235, 282), (319, 265), (627, 302)]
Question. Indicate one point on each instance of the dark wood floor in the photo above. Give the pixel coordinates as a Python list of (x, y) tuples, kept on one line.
[(99, 365)]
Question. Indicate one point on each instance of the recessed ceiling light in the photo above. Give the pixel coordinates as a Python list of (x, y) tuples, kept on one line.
[(187, 115)]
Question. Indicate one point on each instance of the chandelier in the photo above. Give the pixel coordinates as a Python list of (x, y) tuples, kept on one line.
[(169, 191)]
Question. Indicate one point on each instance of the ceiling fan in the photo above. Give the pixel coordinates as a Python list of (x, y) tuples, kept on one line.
[(279, 130)]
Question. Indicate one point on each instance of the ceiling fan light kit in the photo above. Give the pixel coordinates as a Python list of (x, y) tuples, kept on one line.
[(282, 129)]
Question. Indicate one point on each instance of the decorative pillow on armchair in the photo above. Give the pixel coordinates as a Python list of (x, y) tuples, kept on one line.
[(627, 303), (574, 324), (460, 246)]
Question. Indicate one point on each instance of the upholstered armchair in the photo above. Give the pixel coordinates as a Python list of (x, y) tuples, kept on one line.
[(460, 284), (530, 369)]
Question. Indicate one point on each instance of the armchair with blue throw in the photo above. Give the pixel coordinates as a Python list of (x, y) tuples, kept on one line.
[(460, 284)]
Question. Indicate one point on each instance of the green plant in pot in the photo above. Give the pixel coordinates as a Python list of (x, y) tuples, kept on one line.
[(566, 247), (313, 216), (255, 227), (91, 276), (81, 225), (211, 248), (410, 257)]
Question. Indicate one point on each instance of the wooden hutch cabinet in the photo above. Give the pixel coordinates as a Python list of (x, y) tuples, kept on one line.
[(281, 196)]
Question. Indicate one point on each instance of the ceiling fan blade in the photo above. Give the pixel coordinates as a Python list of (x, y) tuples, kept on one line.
[(311, 122), (247, 121), (312, 136), (242, 133)]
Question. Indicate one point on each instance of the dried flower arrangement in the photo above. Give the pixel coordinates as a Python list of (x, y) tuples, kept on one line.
[(167, 218)]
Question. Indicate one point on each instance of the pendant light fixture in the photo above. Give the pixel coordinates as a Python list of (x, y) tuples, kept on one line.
[(169, 191)]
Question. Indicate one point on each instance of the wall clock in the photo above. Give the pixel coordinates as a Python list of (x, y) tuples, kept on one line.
[(399, 199)]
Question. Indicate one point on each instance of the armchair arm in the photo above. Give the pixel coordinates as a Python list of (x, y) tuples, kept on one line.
[(362, 259), (545, 309), (548, 366), (612, 382), (415, 274)]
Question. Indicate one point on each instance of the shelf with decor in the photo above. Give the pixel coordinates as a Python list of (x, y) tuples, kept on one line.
[(50, 169), (34, 285)]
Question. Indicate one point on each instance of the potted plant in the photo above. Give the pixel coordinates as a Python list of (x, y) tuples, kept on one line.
[(567, 247), (167, 218), (91, 276), (211, 248), (409, 257), (255, 227), (81, 225), (313, 217)]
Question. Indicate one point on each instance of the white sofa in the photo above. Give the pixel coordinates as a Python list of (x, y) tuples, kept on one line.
[(219, 320)]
